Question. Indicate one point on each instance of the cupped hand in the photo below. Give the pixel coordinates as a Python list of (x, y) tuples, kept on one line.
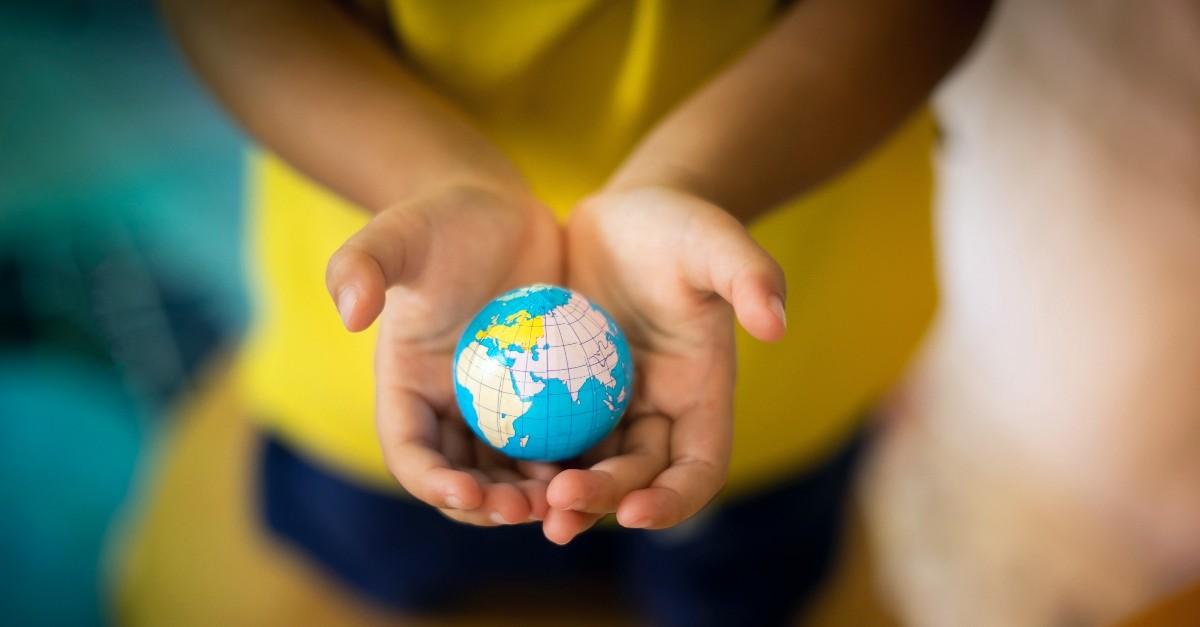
[(672, 269), (424, 268)]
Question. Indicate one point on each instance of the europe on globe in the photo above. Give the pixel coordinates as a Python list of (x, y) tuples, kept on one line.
[(542, 373)]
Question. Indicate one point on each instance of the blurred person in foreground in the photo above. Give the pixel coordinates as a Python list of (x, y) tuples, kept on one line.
[(1042, 464), (439, 148)]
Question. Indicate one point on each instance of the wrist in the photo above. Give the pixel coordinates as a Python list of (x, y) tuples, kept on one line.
[(677, 178), (464, 180), (660, 175)]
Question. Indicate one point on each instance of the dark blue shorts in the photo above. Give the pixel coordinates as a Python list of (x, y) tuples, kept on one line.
[(752, 561)]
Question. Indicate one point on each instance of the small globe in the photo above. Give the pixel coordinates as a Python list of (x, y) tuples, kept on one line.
[(542, 373)]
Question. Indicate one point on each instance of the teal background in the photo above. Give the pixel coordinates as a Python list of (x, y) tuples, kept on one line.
[(120, 276)]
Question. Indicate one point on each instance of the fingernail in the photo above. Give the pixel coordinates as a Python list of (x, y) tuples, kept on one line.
[(345, 303), (576, 505), (453, 502), (497, 518), (780, 312), (640, 523)]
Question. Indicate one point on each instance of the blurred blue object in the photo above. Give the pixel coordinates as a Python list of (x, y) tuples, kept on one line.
[(99, 118), (120, 275), (67, 449)]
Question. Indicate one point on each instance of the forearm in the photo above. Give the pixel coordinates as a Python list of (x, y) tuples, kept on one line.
[(319, 90), (827, 83)]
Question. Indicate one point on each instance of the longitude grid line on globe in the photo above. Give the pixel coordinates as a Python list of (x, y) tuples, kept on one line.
[(600, 363), (592, 374), (569, 309), (499, 403), (587, 365), (482, 386), (544, 362), (571, 379)]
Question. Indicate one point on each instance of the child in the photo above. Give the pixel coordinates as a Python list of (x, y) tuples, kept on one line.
[(464, 129)]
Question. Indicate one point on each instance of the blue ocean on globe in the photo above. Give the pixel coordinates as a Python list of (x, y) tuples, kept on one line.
[(542, 373)]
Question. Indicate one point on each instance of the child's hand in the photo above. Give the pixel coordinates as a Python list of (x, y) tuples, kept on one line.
[(667, 265), (439, 257)]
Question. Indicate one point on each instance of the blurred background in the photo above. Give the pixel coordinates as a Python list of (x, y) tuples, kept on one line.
[(121, 283), (120, 277)]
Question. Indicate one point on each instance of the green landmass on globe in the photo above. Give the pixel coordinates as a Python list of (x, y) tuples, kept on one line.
[(541, 373)]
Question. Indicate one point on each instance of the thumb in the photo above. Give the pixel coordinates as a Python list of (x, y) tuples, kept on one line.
[(728, 262), (389, 250)]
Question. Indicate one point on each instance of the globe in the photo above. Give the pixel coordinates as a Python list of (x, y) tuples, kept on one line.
[(542, 373)]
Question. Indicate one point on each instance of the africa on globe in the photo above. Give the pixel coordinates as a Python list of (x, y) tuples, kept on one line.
[(542, 373)]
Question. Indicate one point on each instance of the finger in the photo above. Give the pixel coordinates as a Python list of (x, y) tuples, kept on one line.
[(598, 490), (388, 251), (408, 434), (503, 469), (505, 504), (543, 471), (504, 500), (735, 267), (560, 527), (468, 517), (701, 442), (502, 503), (678, 494), (534, 492), (476, 516)]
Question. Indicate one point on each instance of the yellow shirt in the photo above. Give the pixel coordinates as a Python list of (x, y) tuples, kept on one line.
[(566, 89)]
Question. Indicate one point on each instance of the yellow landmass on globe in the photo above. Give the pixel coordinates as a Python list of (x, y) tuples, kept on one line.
[(519, 328)]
